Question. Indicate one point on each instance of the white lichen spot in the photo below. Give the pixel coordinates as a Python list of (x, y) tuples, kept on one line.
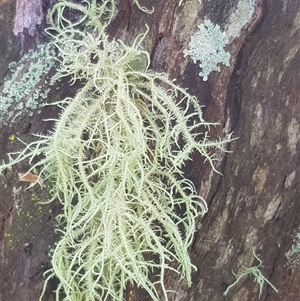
[(293, 135), (290, 56), (255, 80), (296, 24), (251, 238), (289, 179), (272, 209), (257, 126), (296, 244), (280, 76), (270, 73), (278, 123)]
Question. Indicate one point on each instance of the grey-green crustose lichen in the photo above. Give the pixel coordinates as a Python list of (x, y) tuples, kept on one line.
[(206, 48), (24, 87), (296, 243), (114, 160)]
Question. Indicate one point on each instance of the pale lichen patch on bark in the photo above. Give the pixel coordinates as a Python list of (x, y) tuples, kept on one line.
[(250, 242), (278, 123), (289, 180), (190, 11), (270, 73), (259, 178), (255, 80), (240, 17), (181, 28), (257, 126), (292, 53), (296, 23), (293, 135), (272, 209)]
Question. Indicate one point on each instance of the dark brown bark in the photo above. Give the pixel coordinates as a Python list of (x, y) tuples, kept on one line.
[(253, 206)]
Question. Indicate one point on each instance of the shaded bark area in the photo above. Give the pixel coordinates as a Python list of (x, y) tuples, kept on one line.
[(27, 232), (9, 44), (256, 204), (253, 205)]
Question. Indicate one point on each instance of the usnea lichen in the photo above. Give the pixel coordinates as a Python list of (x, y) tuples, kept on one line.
[(114, 160), (257, 275)]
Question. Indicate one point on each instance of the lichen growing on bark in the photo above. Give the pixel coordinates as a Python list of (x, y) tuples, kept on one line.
[(114, 160), (25, 86)]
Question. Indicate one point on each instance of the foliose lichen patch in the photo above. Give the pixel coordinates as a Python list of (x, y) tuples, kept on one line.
[(206, 47), (26, 84)]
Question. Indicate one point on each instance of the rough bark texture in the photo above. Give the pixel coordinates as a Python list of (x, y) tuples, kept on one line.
[(253, 206), (8, 45)]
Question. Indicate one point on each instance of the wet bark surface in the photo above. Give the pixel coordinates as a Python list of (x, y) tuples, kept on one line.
[(253, 205)]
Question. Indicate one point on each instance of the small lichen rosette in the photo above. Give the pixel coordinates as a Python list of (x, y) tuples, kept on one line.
[(206, 48)]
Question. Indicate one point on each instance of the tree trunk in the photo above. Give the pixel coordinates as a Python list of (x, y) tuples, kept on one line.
[(254, 206)]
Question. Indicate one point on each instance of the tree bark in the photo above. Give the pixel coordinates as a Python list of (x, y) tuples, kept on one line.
[(254, 206)]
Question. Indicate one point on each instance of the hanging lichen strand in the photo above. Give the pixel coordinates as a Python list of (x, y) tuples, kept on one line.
[(114, 161)]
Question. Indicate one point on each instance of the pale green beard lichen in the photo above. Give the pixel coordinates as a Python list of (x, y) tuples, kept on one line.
[(257, 275), (114, 160), (25, 86)]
